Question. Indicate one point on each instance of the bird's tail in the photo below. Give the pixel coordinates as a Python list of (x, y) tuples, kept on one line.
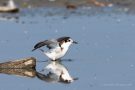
[(39, 49), (33, 49)]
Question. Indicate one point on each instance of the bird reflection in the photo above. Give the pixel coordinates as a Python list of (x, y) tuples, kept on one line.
[(55, 72)]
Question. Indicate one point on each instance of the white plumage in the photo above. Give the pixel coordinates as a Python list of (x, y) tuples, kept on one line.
[(57, 47)]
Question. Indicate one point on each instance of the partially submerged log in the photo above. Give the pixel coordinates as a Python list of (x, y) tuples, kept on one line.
[(26, 63)]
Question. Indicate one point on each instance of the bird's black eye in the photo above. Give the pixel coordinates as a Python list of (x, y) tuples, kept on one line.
[(69, 40)]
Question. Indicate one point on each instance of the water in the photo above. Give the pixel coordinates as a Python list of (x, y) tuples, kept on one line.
[(103, 59)]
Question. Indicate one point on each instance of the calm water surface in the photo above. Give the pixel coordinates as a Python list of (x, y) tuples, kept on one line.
[(104, 58)]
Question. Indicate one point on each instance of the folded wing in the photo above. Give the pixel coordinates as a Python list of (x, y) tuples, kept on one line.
[(49, 43)]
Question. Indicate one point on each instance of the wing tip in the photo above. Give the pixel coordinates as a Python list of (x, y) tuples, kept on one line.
[(33, 49)]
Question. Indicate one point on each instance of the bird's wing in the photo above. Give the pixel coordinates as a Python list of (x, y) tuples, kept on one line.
[(49, 43), (52, 44)]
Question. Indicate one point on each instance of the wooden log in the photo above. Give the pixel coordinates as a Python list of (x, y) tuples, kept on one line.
[(25, 63)]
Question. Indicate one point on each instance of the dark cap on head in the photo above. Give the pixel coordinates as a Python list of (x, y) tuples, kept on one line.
[(61, 39)]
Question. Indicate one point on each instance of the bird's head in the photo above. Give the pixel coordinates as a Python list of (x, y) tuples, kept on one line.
[(67, 41)]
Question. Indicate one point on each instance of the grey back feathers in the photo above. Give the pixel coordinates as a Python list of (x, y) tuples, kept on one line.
[(51, 43)]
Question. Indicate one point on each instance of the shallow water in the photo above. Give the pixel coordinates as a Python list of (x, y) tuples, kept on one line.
[(103, 59)]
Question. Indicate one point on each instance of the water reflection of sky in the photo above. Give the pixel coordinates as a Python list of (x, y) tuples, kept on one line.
[(103, 59)]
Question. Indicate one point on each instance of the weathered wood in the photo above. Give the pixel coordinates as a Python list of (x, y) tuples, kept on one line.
[(26, 63)]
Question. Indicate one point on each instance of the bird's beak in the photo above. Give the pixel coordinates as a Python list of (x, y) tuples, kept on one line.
[(75, 42)]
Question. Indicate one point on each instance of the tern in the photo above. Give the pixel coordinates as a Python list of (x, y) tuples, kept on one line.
[(57, 48)]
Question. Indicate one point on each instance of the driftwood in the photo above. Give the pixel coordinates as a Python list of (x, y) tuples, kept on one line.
[(26, 63)]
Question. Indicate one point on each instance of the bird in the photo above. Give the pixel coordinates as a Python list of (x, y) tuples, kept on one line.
[(57, 48)]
